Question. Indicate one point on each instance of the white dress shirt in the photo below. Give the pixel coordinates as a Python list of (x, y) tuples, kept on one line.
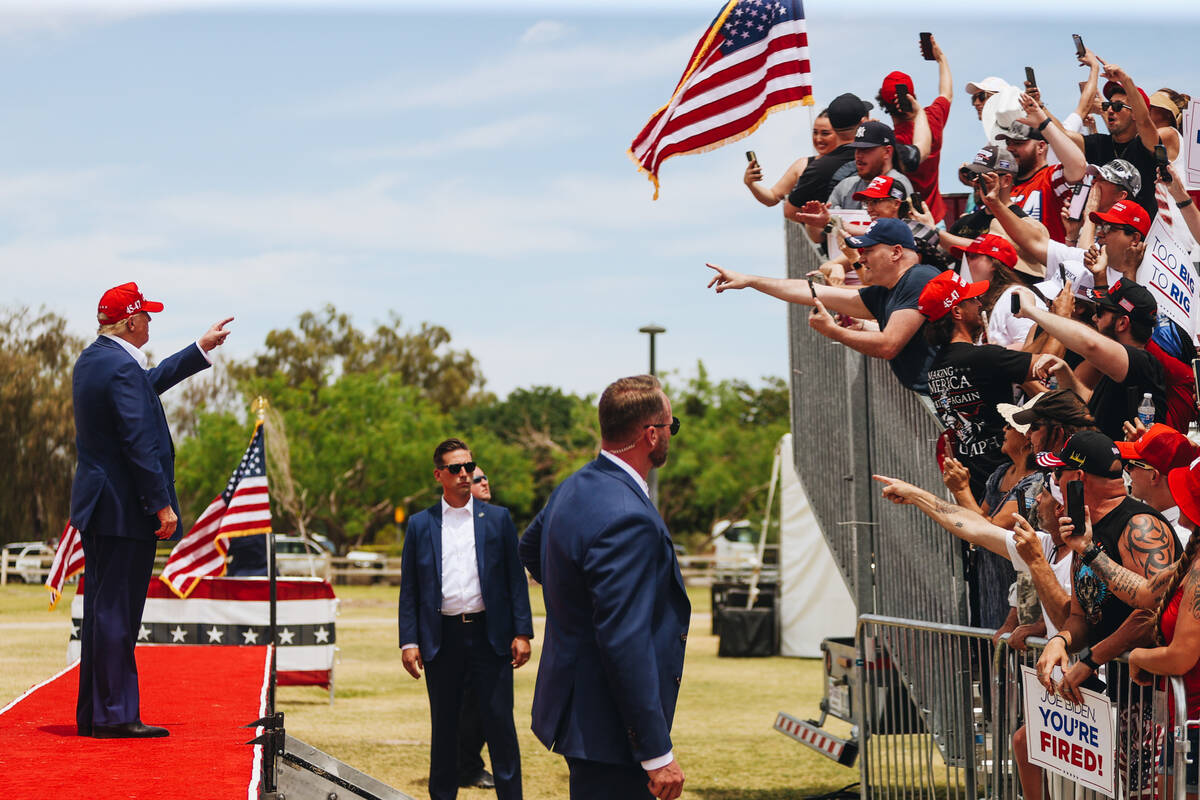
[(669, 756), (461, 593)]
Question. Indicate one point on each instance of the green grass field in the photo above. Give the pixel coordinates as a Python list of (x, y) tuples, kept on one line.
[(379, 721)]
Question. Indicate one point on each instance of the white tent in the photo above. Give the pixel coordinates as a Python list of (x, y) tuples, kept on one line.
[(815, 602)]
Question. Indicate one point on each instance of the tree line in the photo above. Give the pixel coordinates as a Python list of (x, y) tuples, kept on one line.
[(354, 417)]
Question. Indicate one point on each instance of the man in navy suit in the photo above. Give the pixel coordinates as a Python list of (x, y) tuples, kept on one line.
[(617, 613), (464, 610), (122, 499)]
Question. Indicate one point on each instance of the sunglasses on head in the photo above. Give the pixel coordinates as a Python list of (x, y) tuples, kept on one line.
[(1115, 105), (454, 469), (479, 479), (673, 425)]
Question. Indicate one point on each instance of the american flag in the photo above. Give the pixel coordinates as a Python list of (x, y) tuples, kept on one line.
[(68, 561), (241, 510), (752, 60)]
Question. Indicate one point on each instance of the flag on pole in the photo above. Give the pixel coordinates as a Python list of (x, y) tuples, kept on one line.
[(242, 509), (752, 60), (68, 562)]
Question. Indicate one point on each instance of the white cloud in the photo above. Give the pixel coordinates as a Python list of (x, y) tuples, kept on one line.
[(495, 135), (544, 32), (520, 73)]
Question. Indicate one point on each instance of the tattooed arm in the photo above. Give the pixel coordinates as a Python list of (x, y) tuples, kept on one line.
[(1182, 653), (963, 523), (1148, 545), (1132, 588)]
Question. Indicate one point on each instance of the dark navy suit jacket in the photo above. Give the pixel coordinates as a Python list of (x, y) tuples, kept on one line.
[(501, 579), (617, 618), (126, 460)]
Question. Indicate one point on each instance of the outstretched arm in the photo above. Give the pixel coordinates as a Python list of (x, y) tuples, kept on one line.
[(1105, 354), (793, 290), (945, 79), (966, 525)]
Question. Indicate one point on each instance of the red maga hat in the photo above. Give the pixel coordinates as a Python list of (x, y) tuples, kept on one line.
[(1162, 447), (1124, 212), (123, 301), (989, 244), (945, 291), (882, 187), (894, 79)]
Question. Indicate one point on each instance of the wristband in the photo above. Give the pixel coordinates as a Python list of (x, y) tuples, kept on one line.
[(1042, 127), (1184, 203), (1066, 644), (1090, 554)]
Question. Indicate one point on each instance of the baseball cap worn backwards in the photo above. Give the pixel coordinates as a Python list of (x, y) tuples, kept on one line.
[(989, 244), (846, 111), (1127, 298), (123, 301), (1090, 451)]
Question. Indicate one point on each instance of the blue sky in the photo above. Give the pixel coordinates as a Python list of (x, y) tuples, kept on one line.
[(463, 165)]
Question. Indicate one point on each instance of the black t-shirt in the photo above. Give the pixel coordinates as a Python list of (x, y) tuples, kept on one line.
[(911, 364), (1113, 403), (1099, 149), (817, 180), (966, 381), (1101, 608)]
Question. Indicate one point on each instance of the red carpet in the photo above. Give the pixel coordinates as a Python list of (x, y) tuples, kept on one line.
[(203, 695)]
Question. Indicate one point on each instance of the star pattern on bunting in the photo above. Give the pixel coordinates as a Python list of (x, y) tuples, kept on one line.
[(144, 634), (178, 634), (249, 637), (215, 634), (322, 634), (286, 636)]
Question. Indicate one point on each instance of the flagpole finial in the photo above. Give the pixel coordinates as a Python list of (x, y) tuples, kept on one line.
[(259, 407)]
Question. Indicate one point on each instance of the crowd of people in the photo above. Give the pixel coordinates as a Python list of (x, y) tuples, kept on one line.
[(1056, 375)]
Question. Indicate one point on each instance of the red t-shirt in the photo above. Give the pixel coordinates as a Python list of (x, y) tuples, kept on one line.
[(925, 177), (1043, 196), (1181, 397)]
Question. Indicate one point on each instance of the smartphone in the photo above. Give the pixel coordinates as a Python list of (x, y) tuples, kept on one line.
[(902, 97), (1074, 499), (1022, 503), (1161, 160), (927, 46), (750, 156), (812, 290), (916, 201), (1014, 302), (1030, 78), (1080, 50)]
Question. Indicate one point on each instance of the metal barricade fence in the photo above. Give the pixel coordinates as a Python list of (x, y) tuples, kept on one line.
[(852, 418), (945, 729)]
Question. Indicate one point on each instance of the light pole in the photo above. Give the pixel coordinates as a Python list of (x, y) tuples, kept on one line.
[(652, 330)]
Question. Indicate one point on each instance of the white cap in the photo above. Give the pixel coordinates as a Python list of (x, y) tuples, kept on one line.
[(988, 84)]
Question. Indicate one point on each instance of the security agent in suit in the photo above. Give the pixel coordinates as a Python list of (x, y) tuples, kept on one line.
[(122, 499), (470, 727), (617, 613), (464, 609)]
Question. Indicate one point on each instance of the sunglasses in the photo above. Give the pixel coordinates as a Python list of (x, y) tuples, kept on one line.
[(479, 479), (1134, 463), (1108, 227), (980, 97), (454, 469), (1115, 105), (673, 425)]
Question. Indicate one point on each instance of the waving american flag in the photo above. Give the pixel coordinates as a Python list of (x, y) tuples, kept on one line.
[(68, 562), (752, 60), (242, 509)]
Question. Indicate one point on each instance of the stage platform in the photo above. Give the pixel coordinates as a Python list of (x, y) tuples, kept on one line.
[(202, 695)]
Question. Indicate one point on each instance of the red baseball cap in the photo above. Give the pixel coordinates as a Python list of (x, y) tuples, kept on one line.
[(881, 187), (989, 244), (946, 291), (1124, 212), (1112, 87), (123, 301), (888, 90), (1184, 483), (1162, 447)]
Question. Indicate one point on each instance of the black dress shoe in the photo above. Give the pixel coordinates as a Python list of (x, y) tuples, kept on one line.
[(481, 780), (129, 730)]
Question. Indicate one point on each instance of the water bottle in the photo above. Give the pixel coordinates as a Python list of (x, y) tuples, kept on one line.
[(1146, 410)]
